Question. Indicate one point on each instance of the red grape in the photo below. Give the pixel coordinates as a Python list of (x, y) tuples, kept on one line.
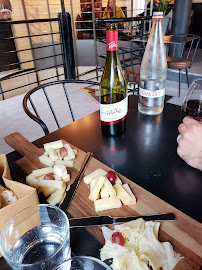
[(63, 151), (111, 177), (118, 238), (49, 176)]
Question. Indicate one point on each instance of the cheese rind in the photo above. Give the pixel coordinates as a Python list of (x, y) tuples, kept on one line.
[(107, 203), (94, 194), (99, 172), (133, 198), (54, 145), (122, 194)]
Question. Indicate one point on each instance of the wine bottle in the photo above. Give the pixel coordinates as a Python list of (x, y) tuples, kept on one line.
[(153, 71), (113, 89)]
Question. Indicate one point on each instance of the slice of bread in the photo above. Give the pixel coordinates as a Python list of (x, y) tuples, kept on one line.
[(7, 197)]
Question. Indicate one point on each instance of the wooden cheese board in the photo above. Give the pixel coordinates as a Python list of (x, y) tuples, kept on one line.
[(185, 233)]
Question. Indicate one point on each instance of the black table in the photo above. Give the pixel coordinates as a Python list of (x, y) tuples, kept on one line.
[(145, 153)]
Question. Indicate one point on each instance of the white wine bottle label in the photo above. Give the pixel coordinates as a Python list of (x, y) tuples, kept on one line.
[(114, 113), (112, 40), (151, 93)]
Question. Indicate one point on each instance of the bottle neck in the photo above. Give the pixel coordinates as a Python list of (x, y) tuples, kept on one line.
[(112, 40)]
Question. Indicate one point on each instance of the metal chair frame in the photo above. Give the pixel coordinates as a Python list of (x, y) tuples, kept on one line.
[(180, 49), (37, 117)]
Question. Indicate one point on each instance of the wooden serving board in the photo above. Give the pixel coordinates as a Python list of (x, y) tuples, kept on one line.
[(185, 234)]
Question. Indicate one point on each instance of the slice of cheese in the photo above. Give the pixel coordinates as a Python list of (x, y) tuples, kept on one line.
[(34, 183), (91, 185), (118, 180), (133, 198), (122, 194), (70, 151), (42, 171), (111, 190), (51, 183), (46, 161), (47, 191), (59, 170), (66, 163), (104, 191), (99, 172), (66, 178), (56, 197), (52, 154), (54, 145), (99, 182), (107, 203), (29, 178)]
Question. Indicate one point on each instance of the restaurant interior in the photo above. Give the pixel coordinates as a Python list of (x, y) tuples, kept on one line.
[(52, 58)]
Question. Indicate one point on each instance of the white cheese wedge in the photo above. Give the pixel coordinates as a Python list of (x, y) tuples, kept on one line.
[(56, 197), (66, 163), (29, 178), (54, 145), (122, 194), (47, 191), (51, 183), (133, 198), (46, 161), (107, 203), (42, 171), (118, 180), (66, 178), (99, 182), (59, 170), (111, 190), (70, 151), (99, 172), (34, 183), (104, 191), (52, 154)]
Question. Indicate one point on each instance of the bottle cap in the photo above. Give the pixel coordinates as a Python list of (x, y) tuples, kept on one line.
[(157, 15)]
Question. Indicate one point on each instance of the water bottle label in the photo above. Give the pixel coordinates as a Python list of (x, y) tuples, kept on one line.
[(114, 113), (152, 93), (112, 40)]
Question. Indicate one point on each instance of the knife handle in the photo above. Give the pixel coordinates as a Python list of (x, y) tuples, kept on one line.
[(156, 217)]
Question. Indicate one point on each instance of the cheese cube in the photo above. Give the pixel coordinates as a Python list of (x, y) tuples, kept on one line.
[(94, 194), (107, 203), (111, 190), (104, 191), (99, 172), (66, 178), (122, 194), (46, 160), (59, 170), (52, 154), (54, 145), (66, 163), (133, 198), (42, 171)]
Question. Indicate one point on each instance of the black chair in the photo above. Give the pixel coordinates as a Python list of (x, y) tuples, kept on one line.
[(181, 51), (131, 60), (51, 101)]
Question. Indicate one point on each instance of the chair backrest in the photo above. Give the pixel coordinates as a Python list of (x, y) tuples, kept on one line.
[(184, 45), (131, 57), (55, 104)]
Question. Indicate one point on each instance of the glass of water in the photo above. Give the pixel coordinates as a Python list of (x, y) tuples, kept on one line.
[(36, 238), (83, 263)]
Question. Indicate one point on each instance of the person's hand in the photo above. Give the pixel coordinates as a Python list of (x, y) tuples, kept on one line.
[(190, 142)]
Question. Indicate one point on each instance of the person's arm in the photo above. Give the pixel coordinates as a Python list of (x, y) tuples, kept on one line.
[(190, 142), (105, 14), (121, 13)]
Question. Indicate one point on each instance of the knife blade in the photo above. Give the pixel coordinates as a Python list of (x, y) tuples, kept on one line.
[(75, 184), (107, 220)]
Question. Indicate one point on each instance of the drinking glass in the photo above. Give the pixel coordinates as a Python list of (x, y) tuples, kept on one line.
[(83, 263), (36, 238), (192, 104)]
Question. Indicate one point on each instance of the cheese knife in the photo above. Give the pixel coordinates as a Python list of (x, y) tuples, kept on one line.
[(107, 220)]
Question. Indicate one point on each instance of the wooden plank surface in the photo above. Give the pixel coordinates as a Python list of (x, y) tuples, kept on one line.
[(185, 234)]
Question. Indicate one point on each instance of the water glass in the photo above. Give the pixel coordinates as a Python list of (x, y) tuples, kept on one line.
[(83, 263), (36, 238)]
